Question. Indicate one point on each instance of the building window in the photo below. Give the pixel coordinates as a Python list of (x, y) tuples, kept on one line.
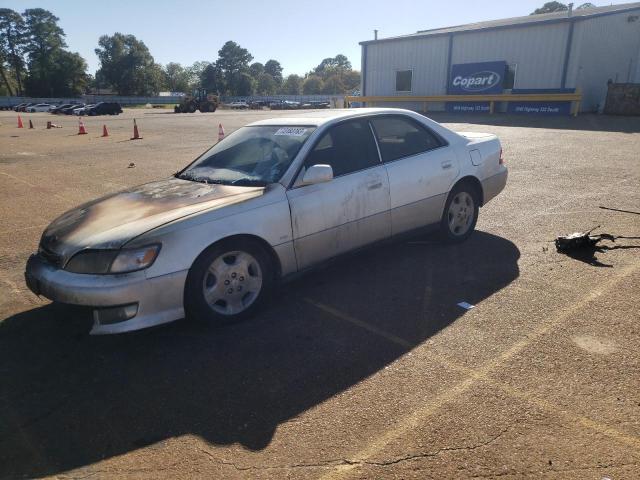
[(509, 79), (403, 80)]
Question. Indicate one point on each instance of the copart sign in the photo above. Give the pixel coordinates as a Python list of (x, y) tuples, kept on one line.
[(477, 78)]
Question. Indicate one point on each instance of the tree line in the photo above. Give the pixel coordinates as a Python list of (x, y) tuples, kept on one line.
[(34, 61), (33, 56)]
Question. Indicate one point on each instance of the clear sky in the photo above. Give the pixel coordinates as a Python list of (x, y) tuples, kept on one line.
[(297, 33)]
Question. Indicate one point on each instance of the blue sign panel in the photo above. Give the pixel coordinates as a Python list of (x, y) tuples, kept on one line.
[(468, 107), (542, 108), (475, 79)]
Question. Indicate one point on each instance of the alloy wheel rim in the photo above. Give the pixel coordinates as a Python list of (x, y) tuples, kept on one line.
[(460, 214), (232, 282)]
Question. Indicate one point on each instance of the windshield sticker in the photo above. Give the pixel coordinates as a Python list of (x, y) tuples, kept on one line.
[(291, 131)]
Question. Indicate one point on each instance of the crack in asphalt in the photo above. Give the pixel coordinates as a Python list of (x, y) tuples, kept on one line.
[(429, 454)]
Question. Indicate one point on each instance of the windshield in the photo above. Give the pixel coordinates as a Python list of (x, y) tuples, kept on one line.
[(251, 156)]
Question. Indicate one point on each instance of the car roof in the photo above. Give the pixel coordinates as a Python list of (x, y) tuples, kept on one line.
[(327, 116)]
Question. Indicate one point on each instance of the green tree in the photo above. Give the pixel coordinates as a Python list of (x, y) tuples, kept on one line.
[(232, 61), (177, 78), (312, 85), (273, 68), (243, 84), (194, 74), (127, 64), (550, 7), (212, 79), (337, 65), (256, 69), (12, 43), (292, 85), (266, 85), (333, 84), (44, 41), (69, 77), (351, 80)]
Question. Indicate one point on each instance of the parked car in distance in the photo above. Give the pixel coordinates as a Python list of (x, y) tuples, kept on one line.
[(23, 107), (104, 108), (284, 105), (69, 110), (39, 107), (274, 198), (58, 108), (17, 107), (258, 104), (82, 110), (239, 105)]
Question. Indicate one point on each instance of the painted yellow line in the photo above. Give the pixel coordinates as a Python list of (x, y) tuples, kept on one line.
[(432, 405), (366, 326)]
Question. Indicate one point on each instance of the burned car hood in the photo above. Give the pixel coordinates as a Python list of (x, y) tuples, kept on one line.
[(111, 221)]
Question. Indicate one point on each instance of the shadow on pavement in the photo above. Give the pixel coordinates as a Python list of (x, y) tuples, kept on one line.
[(68, 400), (587, 121)]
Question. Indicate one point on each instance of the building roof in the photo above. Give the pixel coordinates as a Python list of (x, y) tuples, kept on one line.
[(528, 20)]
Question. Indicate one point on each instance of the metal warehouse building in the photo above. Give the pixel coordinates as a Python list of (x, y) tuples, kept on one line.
[(558, 52)]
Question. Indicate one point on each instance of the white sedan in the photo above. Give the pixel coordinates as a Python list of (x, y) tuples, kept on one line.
[(39, 107), (273, 198)]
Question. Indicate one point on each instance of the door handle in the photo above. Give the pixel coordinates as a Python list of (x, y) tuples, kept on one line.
[(445, 165), (373, 186)]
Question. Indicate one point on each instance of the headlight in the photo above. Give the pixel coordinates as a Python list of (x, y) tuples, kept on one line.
[(113, 261), (135, 259)]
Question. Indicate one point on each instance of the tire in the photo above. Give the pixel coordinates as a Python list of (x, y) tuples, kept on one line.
[(176, 109), (228, 282), (460, 214), (213, 107), (191, 108)]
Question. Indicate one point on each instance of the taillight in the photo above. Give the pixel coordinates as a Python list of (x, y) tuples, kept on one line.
[(501, 161)]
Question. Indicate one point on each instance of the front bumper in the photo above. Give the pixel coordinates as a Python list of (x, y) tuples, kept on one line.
[(159, 300)]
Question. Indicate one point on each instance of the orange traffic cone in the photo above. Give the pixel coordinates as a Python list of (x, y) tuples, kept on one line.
[(20, 122), (49, 125), (220, 132), (105, 133), (81, 129), (30, 124), (136, 134)]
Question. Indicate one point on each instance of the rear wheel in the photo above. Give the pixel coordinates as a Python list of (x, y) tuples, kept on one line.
[(460, 214), (228, 282)]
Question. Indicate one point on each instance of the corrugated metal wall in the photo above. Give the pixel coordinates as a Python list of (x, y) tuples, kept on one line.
[(538, 51), (603, 48), (427, 57)]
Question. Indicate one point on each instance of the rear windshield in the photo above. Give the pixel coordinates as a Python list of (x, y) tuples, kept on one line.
[(251, 156)]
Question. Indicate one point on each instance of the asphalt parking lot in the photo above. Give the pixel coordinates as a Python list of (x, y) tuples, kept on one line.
[(365, 368)]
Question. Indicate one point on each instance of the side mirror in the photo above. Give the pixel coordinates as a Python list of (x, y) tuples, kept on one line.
[(317, 174)]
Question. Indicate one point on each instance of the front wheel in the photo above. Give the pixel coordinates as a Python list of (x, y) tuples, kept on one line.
[(460, 214), (228, 282)]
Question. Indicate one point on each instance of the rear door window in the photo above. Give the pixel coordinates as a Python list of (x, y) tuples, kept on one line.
[(402, 137), (347, 147)]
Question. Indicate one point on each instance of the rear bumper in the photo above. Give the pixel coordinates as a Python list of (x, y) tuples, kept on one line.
[(159, 300), (493, 185)]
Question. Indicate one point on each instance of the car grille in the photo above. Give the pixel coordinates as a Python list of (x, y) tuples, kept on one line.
[(50, 257)]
